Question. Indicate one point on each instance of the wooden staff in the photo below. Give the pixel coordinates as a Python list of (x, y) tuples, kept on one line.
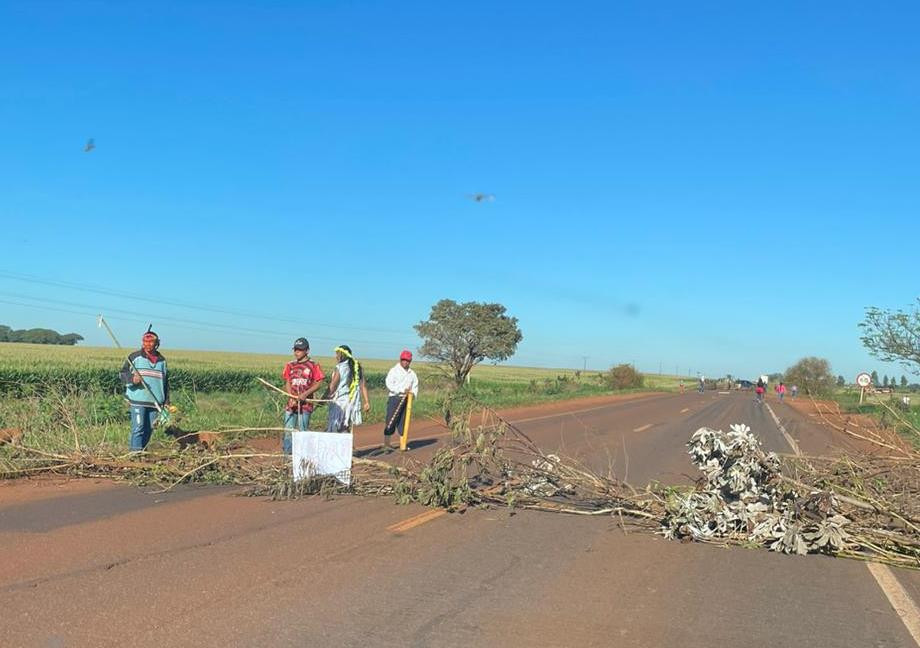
[(290, 395)]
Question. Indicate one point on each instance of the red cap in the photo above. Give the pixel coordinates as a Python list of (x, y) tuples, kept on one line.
[(405, 355)]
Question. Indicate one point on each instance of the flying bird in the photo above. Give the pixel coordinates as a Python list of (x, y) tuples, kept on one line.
[(481, 197), (90, 145)]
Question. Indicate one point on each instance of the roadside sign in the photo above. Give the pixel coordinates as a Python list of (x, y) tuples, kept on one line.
[(863, 380)]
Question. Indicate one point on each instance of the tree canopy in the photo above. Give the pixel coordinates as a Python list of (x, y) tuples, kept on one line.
[(813, 374), (893, 336), (460, 336), (37, 336)]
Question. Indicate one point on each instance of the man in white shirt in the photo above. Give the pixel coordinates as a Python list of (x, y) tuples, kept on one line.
[(401, 381)]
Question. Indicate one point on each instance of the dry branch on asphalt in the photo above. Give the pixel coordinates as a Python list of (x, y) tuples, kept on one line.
[(861, 506)]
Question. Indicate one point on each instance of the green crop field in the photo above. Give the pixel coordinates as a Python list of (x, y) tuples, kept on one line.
[(41, 385)]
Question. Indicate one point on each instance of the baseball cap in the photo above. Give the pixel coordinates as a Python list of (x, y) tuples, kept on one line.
[(301, 343), (405, 355)]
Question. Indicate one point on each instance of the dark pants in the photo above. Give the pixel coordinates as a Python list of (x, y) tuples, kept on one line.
[(394, 403)]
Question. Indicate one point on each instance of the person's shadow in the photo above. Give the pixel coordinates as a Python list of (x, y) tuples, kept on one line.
[(379, 451)]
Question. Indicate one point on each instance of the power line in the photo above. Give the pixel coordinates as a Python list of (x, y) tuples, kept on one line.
[(200, 307), (184, 324)]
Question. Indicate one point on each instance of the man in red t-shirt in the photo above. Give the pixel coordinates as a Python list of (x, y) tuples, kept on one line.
[(302, 377)]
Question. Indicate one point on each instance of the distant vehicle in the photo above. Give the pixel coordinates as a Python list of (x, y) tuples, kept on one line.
[(744, 384)]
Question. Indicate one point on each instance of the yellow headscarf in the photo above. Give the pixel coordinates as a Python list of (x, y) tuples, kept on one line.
[(353, 385)]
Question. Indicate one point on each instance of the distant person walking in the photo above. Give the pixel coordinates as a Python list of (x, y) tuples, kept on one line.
[(146, 382), (760, 389), (681, 386), (781, 391), (348, 392), (794, 391), (401, 381), (302, 378), (702, 385)]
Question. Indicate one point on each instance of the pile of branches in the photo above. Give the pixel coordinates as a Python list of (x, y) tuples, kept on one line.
[(866, 509)]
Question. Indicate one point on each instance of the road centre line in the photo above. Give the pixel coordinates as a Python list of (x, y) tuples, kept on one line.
[(642, 428), (897, 596), (416, 520), (792, 443), (686, 409)]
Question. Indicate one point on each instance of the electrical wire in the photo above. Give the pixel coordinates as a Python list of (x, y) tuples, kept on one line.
[(199, 307)]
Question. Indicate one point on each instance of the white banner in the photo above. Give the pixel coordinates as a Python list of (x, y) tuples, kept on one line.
[(322, 453)]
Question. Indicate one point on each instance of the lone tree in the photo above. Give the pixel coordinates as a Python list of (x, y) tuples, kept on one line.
[(623, 376), (814, 374), (460, 336), (893, 336)]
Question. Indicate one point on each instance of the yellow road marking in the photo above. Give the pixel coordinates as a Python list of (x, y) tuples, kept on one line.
[(686, 409), (416, 520), (900, 600), (644, 427)]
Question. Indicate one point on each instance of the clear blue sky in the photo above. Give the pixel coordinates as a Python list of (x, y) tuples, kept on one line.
[(716, 187)]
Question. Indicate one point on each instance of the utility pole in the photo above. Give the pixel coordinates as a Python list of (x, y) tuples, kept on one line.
[(584, 365), (659, 367)]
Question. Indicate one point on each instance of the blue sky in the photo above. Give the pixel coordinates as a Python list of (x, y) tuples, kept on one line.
[(715, 187)]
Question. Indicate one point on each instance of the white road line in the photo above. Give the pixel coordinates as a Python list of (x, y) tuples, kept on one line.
[(686, 409), (900, 600), (643, 427), (789, 439)]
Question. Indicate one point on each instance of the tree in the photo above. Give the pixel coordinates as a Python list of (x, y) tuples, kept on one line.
[(893, 336), (903, 381), (885, 380), (874, 378), (623, 376), (460, 336), (841, 381), (37, 336), (813, 374)]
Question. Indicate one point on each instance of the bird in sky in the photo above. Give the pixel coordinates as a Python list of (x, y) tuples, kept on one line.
[(90, 145), (481, 197)]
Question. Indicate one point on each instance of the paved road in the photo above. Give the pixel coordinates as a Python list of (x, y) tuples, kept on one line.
[(99, 565)]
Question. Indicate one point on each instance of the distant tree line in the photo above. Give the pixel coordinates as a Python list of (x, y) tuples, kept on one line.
[(37, 336)]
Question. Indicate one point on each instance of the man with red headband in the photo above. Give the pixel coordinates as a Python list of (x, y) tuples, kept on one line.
[(401, 381), (146, 388)]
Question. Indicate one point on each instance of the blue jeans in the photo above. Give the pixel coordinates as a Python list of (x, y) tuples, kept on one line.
[(142, 420), (290, 424)]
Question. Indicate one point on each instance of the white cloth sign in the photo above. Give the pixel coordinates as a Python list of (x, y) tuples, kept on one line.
[(322, 453)]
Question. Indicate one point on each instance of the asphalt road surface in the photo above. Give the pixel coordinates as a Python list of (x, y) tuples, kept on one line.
[(98, 564)]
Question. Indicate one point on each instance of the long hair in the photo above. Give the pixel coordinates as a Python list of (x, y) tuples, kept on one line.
[(355, 366)]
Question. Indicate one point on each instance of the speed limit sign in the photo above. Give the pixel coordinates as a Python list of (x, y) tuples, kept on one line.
[(864, 380)]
